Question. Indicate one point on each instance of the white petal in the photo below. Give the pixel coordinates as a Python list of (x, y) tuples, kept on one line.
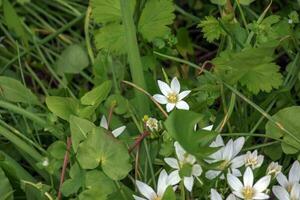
[(183, 94), (282, 180), (103, 122), (238, 194), (208, 128), (197, 170), (164, 87), (260, 160), (228, 151), (174, 178), (237, 162), (248, 177), (231, 197), (280, 193), (236, 172), (188, 183), (219, 141), (295, 192), (190, 159), (211, 174), (238, 145), (162, 183), (182, 105), (262, 184), (180, 152), (170, 106), (294, 174), (214, 195), (172, 162), (234, 182), (160, 99), (261, 196), (146, 190), (118, 131), (138, 198), (175, 85)]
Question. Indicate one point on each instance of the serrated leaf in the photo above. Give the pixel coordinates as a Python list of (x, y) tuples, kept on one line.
[(111, 38), (155, 18), (252, 67), (102, 149), (96, 95), (211, 28), (105, 11), (14, 91), (62, 107), (72, 60)]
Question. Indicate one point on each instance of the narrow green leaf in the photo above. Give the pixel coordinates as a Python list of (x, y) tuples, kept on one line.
[(6, 191)]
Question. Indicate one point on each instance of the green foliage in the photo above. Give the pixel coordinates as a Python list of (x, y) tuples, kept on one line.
[(211, 28), (252, 67), (155, 18), (169, 194), (14, 91), (62, 107), (288, 118), (219, 2), (75, 182), (6, 191), (246, 2), (72, 60), (102, 149)]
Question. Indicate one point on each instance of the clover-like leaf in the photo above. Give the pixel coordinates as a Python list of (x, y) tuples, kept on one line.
[(102, 149)]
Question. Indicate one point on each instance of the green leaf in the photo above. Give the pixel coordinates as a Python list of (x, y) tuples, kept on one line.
[(57, 149), (14, 91), (211, 28), (169, 194), (219, 2), (252, 67), (289, 119), (6, 191), (72, 60), (100, 148), (194, 142), (246, 2), (13, 21), (97, 95), (111, 38), (184, 44), (79, 130), (155, 18), (105, 11), (62, 107), (76, 181), (120, 103)]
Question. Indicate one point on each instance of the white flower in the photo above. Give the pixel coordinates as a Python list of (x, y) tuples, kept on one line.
[(164, 181), (45, 162), (172, 96), (152, 124), (228, 155), (214, 195), (253, 160), (290, 21), (274, 169), (294, 177), (247, 190), (185, 167), (282, 194), (116, 132)]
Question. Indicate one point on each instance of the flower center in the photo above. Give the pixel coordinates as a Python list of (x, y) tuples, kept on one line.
[(157, 198), (251, 161), (248, 192), (224, 165), (152, 123), (172, 97)]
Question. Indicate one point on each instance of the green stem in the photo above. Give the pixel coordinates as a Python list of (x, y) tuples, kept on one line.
[(134, 58), (182, 190)]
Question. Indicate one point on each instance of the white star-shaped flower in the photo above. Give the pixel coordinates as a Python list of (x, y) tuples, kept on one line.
[(172, 96), (214, 195), (282, 194), (253, 160), (248, 190), (274, 169), (228, 155), (184, 162), (164, 181), (116, 132)]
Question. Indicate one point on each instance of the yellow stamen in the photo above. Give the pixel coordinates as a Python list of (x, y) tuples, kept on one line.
[(172, 98), (248, 193)]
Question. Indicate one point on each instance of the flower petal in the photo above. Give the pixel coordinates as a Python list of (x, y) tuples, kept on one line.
[(238, 161), (138, 198), (208, 128), (170, 106), (248, 177), (294, 174), (160, 99), (295, 192), (211, 174), (174, 177), (182, 105), (262, 184), (228, 151), (238, 145), (234, 182), (175, 85), (103, 122), (214, 195), (261, 196), (146, 190), (282, 180), (164, 87), (231, 197), (118, 131), (162, 183), (280, 193), (197, 170), (172, 162), (188, 183), (180, 152), (183, 94)]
